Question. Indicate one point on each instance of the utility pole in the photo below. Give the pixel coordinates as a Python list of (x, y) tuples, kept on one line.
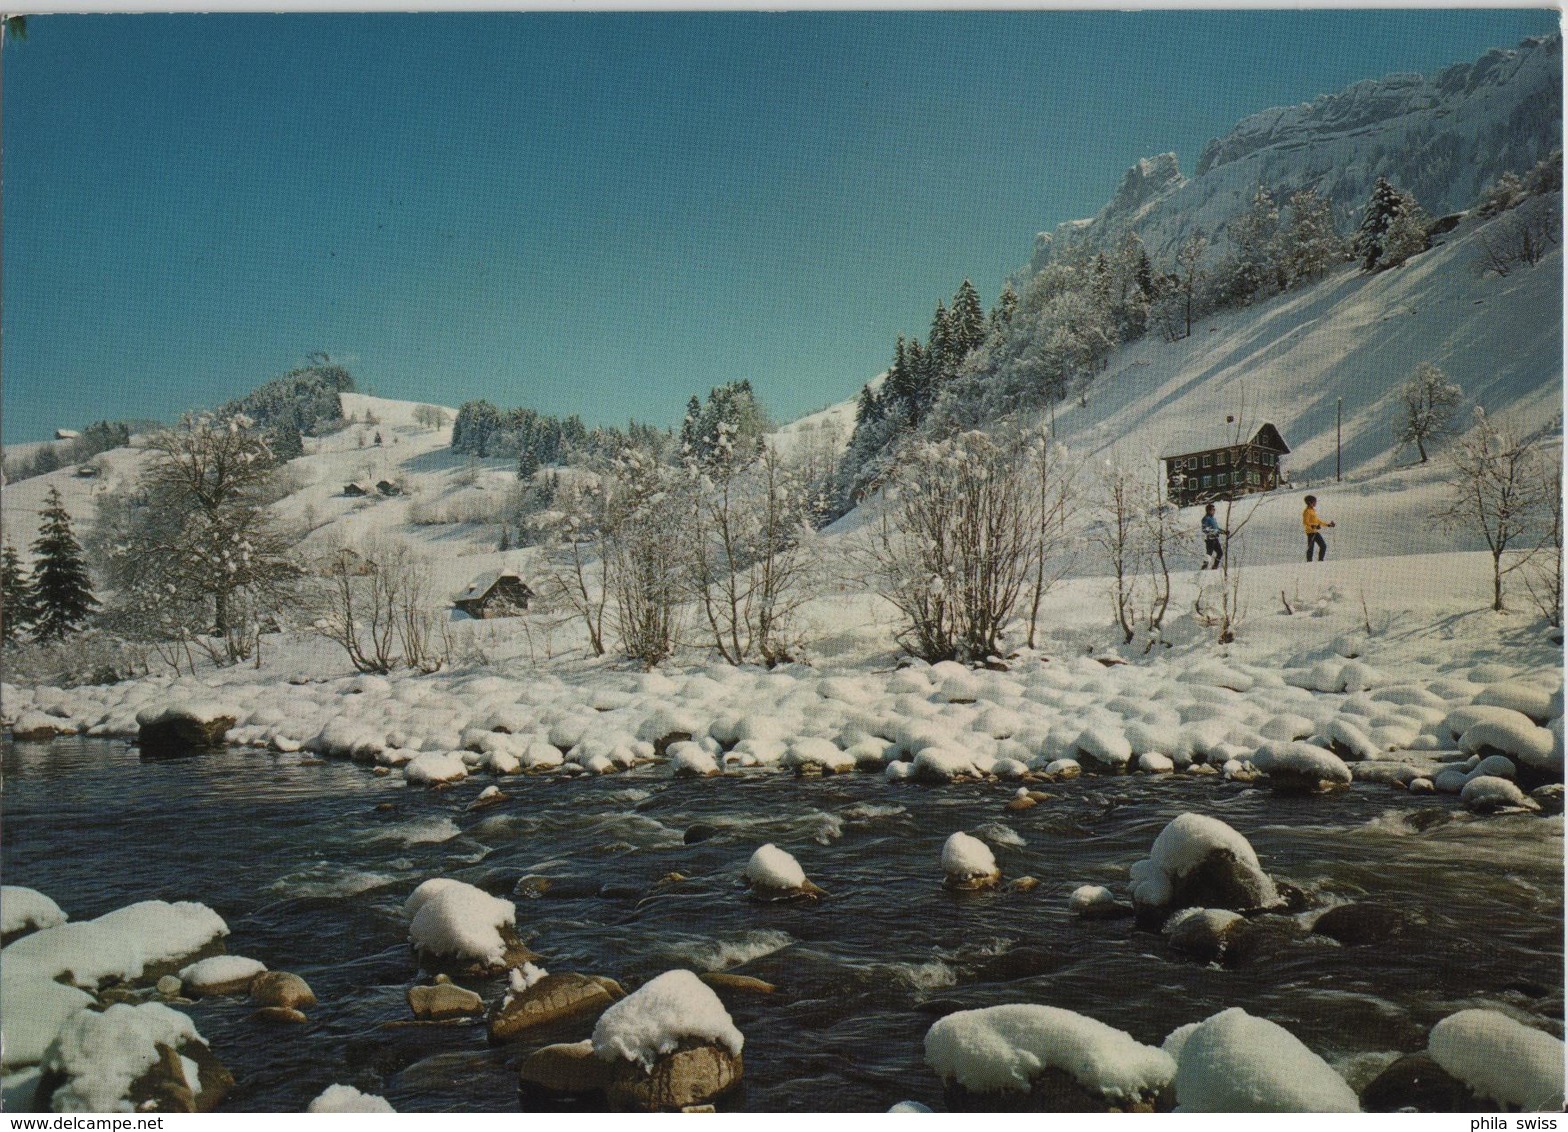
[(1339, 406)]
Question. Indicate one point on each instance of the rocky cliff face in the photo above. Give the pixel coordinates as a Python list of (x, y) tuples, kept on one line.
[(1443, 138)]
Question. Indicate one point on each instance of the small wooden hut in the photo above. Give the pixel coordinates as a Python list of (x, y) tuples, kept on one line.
[(499, 594)]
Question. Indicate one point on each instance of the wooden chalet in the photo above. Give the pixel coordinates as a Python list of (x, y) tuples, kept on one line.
[(387, 487), (356, 489), (501, 594), (1226, 472)]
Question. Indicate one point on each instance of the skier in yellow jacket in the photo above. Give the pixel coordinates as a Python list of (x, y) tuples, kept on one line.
[(1314, 528)]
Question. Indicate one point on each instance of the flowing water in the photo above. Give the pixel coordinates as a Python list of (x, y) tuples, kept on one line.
[(309, 864)]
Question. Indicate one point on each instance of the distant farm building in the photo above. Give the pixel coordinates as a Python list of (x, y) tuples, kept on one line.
[(387, 487), (501, 594), (356, 489), (1226, 472), (67, 434)]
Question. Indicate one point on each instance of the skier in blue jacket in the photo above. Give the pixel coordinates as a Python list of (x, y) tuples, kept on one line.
[(1211, 540)]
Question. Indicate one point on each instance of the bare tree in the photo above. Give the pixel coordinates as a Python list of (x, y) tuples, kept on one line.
[(376, 602), (1544, 578), (1495, 489), (1521, 236), (748, 554), (1428, 401), (953, 548), (1051, 474), (1138, 535), (575, 564)]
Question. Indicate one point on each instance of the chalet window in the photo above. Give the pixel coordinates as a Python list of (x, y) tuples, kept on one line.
[(1222, 478), (1254, 479), (1206, 462), (1207, 480)]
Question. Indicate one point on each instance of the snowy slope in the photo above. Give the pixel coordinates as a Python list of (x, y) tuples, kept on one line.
[(1353, 338)]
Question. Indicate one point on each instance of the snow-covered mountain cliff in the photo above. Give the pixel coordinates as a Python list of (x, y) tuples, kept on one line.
[(1442, 137)]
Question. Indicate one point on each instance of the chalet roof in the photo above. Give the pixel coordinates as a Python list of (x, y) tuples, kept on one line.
[(486, 582), (1185, 442), (359, 486)]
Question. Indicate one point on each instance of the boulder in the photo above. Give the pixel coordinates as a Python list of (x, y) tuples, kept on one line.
[(689, 1075), (37, 726), (166, 1088), (569, 1068), (1210, 935), (443, 1000), (181, 729), (281, 1014), (1549, 798), (553, 998), (281, 989), (1355, 924), (1418, 1082), (1051, 1090), (724, 980)]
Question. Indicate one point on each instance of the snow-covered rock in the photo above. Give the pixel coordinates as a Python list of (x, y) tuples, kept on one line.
[(968, 863), (434, 768), (450, 921), (1487, 794), (652, 1021), (1199, 861), (1501, 1059), (99, 1057), (773, 874), (220, 974), (1235, 1062), (1002, 1049), (1300, 767), (346, 1098), (26, 909)]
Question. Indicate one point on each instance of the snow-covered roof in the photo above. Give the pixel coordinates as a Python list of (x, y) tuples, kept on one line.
[(485, 582), (1183, 441)]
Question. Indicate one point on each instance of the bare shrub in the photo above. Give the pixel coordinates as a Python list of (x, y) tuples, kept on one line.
[(376, 603)]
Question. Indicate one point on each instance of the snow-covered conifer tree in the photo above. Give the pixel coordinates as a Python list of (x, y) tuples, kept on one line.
[(62, 593), (16, 597)]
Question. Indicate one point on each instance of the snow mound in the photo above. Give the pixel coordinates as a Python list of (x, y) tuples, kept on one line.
[(346, 1098), (656, 1018), (966, 858), (1487, 793), (1182, 847), (1523, 696), (25, 908), (1001, 1048), (1234, 1062), (772, 867), (1516, 736), (458, 921), (32, 1010), (688, 760), (435, 767), (1500, 1058), (220, 970), (117, 945), (1087, 896), (1301, 763), (101, 1055), (819, 754)]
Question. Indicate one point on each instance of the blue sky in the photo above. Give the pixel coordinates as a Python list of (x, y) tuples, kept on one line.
[(594, 214)]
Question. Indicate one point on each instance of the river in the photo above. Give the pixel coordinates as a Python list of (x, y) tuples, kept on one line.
[(309, 864)]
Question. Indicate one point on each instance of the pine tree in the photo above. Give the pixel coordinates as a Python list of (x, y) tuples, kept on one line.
[(1310, 243), (966, 323), (869, 409), (1393, 228), (900, 384), (62, 591), (15, 596), (1006, 306)]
